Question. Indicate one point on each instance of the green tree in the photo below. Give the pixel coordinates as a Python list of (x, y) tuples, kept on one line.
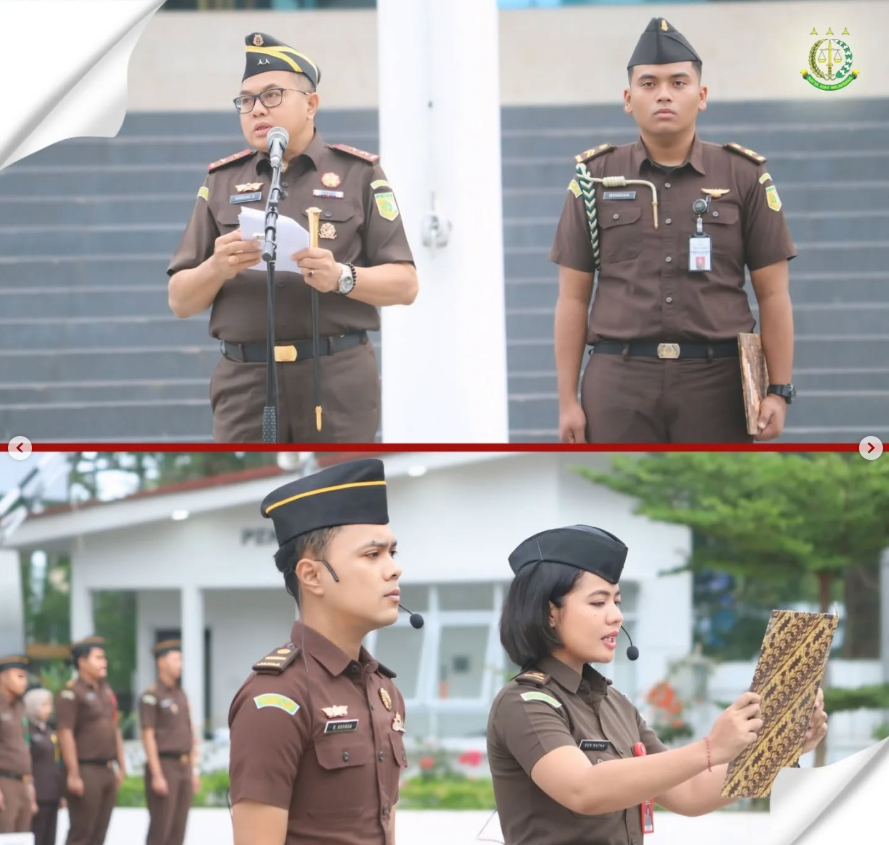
[(769, 516)]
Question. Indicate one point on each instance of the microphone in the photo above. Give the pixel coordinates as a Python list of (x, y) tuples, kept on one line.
[(632, 651), (416, 620), (278, 138)]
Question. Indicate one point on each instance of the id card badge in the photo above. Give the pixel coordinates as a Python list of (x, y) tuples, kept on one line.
[(699, 253), (646, 809)]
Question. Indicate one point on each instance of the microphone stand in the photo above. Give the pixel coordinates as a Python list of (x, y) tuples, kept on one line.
[(269, 250)]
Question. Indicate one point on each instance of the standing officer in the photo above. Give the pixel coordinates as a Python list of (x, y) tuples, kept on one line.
[(365, 263), (669, 233), (170, 772), (44, 765), (317, 729), (17, 800), (87, 725)]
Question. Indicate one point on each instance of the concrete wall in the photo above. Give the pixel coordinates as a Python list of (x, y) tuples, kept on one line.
[(751, 51)]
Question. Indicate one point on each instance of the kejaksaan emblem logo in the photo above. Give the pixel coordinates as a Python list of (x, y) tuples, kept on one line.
[(830, 62)]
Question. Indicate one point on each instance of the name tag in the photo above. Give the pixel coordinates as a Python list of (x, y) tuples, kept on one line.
[(595, 745), (237, 199), (341, 726), (619, 195)]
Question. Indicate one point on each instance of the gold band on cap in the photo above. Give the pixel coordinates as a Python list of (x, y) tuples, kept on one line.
[(98, 641), (281, 53), (168, 644), (324, 490), (14, 659)]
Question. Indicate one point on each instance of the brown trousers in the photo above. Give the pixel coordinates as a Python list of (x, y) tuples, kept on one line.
[(649, 400), (350, 399), (45, 823), (91, 814), (16, 818), (169, 813)]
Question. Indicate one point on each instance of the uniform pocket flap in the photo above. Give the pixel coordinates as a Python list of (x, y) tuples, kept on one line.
[(332, 756), (608, 219)]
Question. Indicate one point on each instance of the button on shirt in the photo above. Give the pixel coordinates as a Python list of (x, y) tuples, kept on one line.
[(551, 707), (645, 289), (337, 780)]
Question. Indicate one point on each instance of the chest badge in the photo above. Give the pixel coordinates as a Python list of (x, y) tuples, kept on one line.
[(335, 711), (398, 723), (331, 180), (328, 231), (248, 186), (386, 699), (716, 193)]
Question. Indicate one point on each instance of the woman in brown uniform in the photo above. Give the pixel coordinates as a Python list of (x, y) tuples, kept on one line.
[(45, 765), (567, 751)]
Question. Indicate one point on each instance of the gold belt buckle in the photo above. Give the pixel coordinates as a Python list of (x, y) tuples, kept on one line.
[(668, 350), (285, 353)]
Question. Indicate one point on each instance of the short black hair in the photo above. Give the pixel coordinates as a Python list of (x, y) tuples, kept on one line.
[(525, 631), (312, 543), (698, 66)]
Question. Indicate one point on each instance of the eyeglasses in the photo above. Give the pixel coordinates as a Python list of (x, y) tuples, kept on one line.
[(270, 98)]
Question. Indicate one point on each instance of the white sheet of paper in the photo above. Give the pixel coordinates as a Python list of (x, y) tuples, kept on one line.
[(291, 238)]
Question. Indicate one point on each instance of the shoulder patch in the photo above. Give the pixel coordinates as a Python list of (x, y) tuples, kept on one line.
[(277, 661), (536, 678), (274, 699), (541, 696), (148, 698), (380, 183), (574, 187), (229, 159), (372, 158), (737, 148), (592, 153)]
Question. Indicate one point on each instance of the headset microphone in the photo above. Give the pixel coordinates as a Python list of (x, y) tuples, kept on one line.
[(416, 620), (632, 651)]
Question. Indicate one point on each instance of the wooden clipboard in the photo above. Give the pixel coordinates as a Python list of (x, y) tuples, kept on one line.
[(788, 673), (754, 377)]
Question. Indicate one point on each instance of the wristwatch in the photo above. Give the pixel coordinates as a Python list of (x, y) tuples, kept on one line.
[(347, 279), (786, 391)]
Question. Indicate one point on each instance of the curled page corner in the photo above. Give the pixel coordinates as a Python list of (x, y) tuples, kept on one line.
[(84, 90), (802, 799)]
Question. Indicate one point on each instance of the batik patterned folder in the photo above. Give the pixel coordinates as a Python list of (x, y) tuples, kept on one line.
[(789, 671)]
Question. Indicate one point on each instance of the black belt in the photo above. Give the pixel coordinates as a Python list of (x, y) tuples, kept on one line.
[(14, 776), (181, 756), (653, 349), (255, 353), (106, 763)]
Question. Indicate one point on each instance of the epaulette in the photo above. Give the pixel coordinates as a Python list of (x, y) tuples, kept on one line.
[(229, 159), (537, 679), (372, 158), (737, 148), (277, 661), (592, 153), (385, 670)]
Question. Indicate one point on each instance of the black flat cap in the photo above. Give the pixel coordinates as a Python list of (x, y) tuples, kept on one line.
[(165, 647), (352, 493), (14, 661), (660, 44), (266, 53), (582, 546), (84, 646)]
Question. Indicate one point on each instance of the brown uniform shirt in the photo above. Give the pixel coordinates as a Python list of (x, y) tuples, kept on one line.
[(14, 754), (45, 763), (545, 709), (90, 712), (645, 290), (165, 710), (353, 228), (336, 772)]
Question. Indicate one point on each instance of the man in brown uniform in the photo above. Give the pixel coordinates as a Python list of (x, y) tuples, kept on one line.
[(363, 262), (171, 770), (670, 302), (317, 729), (90, 740), (554, 725), (17, 799)]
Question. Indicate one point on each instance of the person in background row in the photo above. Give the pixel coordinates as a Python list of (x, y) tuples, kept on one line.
[(171, 774), (89, 737), (45, 765), (17, 803)]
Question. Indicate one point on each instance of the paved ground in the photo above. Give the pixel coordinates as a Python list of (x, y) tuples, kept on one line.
[(128, 827)]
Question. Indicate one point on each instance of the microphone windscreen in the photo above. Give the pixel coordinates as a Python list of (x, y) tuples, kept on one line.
[(278, 133), (417, 620), (632, 652)]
